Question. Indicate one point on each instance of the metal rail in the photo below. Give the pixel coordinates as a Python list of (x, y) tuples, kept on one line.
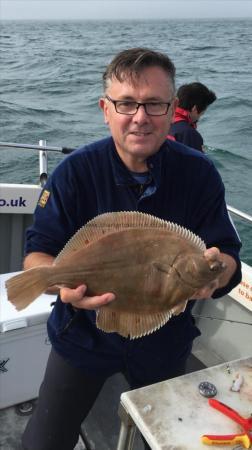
[(239, 213), (44, 147), (43, 155)]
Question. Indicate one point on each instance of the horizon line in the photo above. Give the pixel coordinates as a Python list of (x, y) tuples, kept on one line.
[(126, 19)]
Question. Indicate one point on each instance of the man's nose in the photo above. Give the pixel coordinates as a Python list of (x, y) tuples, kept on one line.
[(141, 114)]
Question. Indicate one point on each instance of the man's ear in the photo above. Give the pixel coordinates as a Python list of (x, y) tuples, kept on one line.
[(103, 105), (174, 105), (176, 102), (194, 109)]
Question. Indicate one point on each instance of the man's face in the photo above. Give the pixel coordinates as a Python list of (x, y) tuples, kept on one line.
[(138, 136)]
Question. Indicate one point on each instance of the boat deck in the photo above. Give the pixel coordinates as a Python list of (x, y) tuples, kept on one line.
[(100, 430)]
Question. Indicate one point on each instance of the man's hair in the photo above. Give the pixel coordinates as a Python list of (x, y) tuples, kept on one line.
[(128, 64), (195, 94)]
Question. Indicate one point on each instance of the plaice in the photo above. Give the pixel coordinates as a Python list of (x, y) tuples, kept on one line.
[(152, 266)]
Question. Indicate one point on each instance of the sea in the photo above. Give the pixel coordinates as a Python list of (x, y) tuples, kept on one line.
[(50, 82)]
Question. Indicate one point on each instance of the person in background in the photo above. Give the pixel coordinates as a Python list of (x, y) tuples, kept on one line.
[(136, 168), (193, 100)]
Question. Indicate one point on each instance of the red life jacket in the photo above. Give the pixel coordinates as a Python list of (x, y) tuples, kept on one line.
[(182, 115)]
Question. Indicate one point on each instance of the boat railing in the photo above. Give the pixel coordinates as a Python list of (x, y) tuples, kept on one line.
[(239, 213), (43, 149), (42, 146)]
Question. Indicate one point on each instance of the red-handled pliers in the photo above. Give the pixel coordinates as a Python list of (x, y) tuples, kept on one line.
[(244, 438)]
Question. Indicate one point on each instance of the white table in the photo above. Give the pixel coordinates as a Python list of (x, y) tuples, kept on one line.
[(173, 415)]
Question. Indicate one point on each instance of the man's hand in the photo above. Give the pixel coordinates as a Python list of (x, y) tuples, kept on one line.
[(212, 254), (79, 300)]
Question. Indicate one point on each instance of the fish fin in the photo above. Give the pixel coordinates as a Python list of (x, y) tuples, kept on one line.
[(112, 222), (130, 325), (25, 287), (176, 310)]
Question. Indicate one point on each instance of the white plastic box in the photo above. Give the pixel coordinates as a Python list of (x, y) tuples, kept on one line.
[(24, 347)]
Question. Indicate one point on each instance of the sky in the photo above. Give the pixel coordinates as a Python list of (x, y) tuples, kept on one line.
[(123, 9)]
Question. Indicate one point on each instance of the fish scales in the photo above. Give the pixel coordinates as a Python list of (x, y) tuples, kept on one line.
[(152, 266)]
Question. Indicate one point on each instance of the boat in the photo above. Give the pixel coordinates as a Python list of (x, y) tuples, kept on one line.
[(225, 324)]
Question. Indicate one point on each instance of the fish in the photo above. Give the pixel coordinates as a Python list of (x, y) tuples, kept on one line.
[(152, 266)]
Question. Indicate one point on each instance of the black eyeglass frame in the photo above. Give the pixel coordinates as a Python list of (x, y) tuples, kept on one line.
[(138, 104)]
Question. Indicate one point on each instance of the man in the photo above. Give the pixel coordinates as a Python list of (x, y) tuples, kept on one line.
[(135, 169), (193, 100)]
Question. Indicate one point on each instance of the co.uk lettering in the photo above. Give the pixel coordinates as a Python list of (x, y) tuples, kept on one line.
[(13, 202)]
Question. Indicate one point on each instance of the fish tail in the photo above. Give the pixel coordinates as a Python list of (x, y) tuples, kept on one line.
[(25, 287)]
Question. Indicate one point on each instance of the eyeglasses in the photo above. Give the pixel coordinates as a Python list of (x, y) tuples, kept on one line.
[(130, 108)]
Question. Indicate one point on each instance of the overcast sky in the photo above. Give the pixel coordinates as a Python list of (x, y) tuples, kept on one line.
[(123, 9)]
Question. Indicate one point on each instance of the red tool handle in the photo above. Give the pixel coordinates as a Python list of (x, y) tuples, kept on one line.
[(231, 413), (228, 439)]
